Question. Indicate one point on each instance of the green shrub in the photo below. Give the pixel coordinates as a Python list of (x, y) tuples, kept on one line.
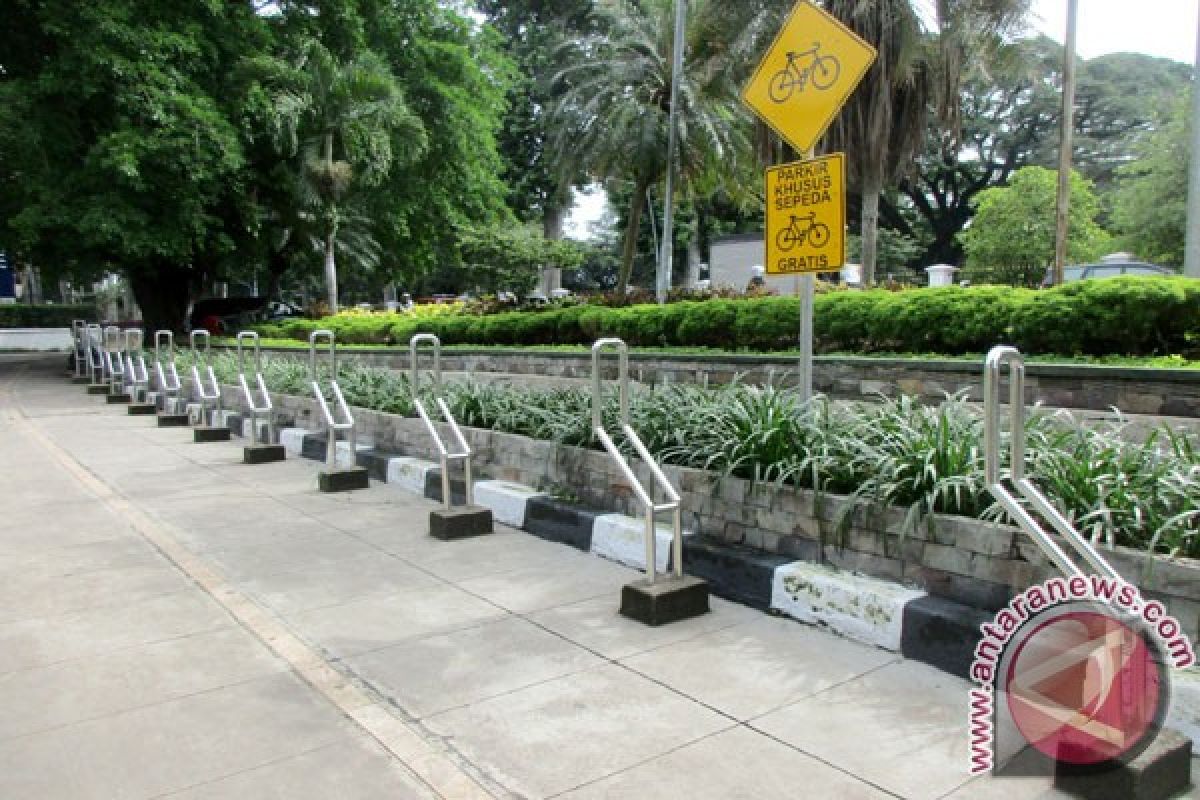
[(19, 316), (1129, 316)]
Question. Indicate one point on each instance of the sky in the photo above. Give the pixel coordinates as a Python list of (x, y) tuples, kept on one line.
[(1165, 28)]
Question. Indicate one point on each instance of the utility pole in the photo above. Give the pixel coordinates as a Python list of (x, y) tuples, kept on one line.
[(1191, 253), (1062, 207), (663, 282)]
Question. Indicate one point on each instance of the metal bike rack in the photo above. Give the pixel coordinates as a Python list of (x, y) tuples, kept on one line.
[(262, 403), (445, 456), (95, 353), (166, 376), (332, 425), (643, 494), (114, 364), (205, 392), (79, 338), (137, 377), (997, 357)]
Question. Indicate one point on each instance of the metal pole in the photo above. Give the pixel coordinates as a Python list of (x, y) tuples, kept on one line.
[(1191, 257), (806, 336), (664, 262), (1064, 149)]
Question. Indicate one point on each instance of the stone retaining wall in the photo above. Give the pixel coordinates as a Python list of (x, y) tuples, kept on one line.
[(1169, 392), (965, 560)]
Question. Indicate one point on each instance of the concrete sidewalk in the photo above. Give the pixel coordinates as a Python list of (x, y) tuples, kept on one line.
[(176, 624)]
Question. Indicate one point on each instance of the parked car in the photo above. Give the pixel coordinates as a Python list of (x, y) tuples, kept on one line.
[(1109, 267)]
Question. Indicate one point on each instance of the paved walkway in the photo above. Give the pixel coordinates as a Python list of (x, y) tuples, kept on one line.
[(175, 624)]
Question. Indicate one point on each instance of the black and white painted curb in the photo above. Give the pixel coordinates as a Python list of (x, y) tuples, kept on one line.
[(913, 623)]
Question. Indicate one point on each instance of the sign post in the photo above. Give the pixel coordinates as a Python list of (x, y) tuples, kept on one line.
[(800, 85)]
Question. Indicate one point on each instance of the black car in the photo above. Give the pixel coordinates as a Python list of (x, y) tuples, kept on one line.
[(1108, 267)]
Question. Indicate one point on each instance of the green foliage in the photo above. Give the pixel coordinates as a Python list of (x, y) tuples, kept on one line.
[(1150, 204), (1130, 315), (511, 258), (1013, 229), (22, 316)]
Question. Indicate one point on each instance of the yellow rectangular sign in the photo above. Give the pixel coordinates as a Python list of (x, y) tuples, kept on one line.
[(806, 75), (806, 216)]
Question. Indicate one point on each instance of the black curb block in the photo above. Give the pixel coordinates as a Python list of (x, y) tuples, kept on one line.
[(941, 633), (556, 521), (734, 572), (375, 462), (433, 488)]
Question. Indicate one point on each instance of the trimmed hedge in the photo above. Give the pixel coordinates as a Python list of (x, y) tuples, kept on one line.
[(1128, 315), (19, 316)]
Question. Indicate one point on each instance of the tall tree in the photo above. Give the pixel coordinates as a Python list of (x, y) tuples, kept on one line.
[(611, 119), (1150, 200), (356, 110)]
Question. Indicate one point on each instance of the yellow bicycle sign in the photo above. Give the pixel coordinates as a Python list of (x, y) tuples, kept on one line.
[(806, 75), (806, 216)]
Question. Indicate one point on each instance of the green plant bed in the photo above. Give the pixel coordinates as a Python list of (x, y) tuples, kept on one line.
[(1140, 492), (1133, 316), (1160, 362)]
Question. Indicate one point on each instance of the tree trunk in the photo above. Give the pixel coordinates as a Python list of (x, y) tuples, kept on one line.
[(163, 292), (693, 250), (331, 288), (277, 267), (552, 220), (872, 188), (632, 227), (331, 273)]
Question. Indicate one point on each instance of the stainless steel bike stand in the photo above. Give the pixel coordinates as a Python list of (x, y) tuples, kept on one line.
[(450, 521), (208, 391), (114, 365), (166, 376), (655, 599), (259, 451), (137, 377), (97, 379), (334, 478)]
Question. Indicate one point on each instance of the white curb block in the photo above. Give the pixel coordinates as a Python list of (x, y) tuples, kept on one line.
[(866, 609), (344, 457), (408, 473), (506, 500), (195, 414), (1184, 714), (623, 539), (292, 440)]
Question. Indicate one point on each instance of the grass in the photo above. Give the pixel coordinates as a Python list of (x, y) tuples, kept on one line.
[(1142, 492)]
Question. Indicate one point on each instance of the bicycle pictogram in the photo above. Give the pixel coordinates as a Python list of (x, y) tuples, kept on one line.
[(821, 71), (815, 233)]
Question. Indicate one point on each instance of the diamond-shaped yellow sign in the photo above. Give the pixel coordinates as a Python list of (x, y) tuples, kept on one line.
[(806, 75)]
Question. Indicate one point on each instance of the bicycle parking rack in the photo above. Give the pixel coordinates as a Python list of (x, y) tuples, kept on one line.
[(98, 380), (262, 449), (114, 365), (450, 521), (79, 336), (206, 391), (169, 386), (137, 377), (653, 600), (334, 478), (997, 357)]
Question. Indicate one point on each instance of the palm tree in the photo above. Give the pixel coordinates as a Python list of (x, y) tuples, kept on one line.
[(340, 122), (614, 101)]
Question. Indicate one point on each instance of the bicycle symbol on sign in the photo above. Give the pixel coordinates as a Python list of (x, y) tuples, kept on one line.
[(821, 71), (816, 233)]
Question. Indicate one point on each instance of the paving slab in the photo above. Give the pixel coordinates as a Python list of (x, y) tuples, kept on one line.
[(902, 727), (435, 673), (749, 669), (562, 733), (332, 583), (702, 771)]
